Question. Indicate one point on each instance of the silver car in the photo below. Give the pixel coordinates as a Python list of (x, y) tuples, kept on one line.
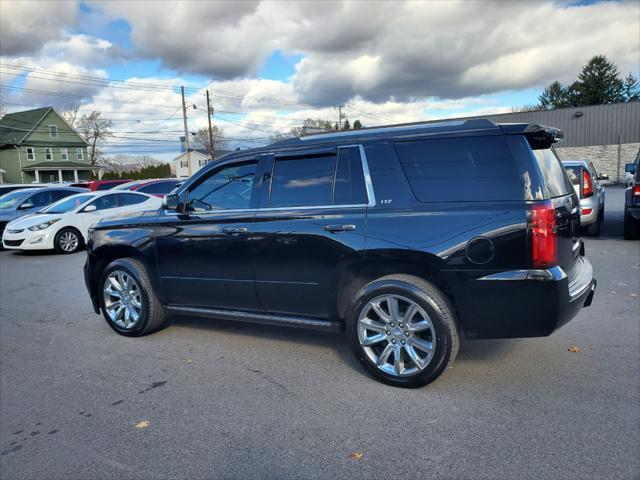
[(586, 182)]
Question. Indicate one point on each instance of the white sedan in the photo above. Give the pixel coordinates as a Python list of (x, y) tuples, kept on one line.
[(64, 225)]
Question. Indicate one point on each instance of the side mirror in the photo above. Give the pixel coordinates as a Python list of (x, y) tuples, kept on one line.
[(26, 205), (170, 202), (90, 208), (630, 168), (603, 176)]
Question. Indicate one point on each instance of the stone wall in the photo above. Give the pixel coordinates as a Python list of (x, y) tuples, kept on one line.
[(604, 158)]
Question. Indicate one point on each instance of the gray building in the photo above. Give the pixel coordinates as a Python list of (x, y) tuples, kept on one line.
[(609, 135)]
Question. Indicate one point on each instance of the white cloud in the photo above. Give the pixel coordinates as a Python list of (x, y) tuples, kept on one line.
[(25, 26)]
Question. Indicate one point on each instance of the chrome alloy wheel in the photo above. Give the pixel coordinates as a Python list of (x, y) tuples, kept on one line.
[(68, 241), (397, 335), (122, 299)]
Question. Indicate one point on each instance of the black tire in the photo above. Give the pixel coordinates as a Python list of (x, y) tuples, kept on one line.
[(434, 303), (153, 316), (631, 228), (593, 230), (58, 245)]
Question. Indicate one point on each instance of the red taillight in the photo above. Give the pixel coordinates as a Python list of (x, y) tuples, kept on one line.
[(543, 235), (636, 191), (586, 211), (587, 184)]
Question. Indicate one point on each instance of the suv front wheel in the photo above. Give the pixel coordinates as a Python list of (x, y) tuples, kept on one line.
[(127, 299), (403, 330)]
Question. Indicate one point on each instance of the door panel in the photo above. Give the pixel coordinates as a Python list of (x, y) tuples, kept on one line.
[(299, 263), (200, 264), (205, 253)]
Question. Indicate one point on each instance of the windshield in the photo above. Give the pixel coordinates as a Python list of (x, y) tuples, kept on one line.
[(67, 204), (9, 200)]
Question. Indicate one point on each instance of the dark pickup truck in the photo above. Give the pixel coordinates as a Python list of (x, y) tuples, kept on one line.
[(409, 238)]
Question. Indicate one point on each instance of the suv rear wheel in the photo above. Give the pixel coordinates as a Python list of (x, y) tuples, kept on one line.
[(402, 328), (127, 299)]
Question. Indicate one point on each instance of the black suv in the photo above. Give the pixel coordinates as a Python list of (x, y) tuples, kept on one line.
[(632, 203), (406, 237)]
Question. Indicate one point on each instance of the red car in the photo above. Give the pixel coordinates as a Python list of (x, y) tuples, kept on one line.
[(158, 187), (96, 185)]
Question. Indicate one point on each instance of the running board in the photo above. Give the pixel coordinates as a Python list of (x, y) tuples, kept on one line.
[(252, 317)]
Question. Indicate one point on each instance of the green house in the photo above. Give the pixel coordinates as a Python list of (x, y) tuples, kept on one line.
[(40, 146)]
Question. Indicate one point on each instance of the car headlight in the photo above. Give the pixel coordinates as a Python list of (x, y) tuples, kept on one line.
[(44, 225)]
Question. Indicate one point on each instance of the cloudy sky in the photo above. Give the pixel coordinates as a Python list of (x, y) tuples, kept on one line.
[(270, 65)]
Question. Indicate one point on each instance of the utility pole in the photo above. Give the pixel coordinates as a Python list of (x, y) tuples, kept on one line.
[(186, 130), (212, 149), (340, 107)]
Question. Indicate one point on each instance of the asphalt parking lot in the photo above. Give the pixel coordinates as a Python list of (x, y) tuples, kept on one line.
[(226, 400)]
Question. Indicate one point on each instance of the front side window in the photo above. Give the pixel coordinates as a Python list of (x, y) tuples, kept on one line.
[(79, 154), (303, 181), (48, 153), (69, 204), (53, 131), (64, 154), (40, 199), (228, 188), (31, 153)]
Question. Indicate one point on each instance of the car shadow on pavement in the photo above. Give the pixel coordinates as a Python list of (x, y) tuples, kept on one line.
[(486, 350), (334, 340)]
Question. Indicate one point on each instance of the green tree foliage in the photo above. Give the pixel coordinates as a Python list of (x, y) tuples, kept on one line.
[(357, 125), (346, 125), (151, 171), (598, 83)]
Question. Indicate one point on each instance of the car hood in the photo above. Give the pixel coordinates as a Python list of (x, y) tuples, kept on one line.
[(31, 220)]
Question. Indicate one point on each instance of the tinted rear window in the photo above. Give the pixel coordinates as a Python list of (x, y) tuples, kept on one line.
[(554, 175), (302, 181), (461, 169)]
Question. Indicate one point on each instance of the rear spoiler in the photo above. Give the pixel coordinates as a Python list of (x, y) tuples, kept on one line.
[(539, 136)]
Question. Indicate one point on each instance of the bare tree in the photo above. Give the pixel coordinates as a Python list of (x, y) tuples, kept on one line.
[(201, 139), (95, 130), (70, 114)]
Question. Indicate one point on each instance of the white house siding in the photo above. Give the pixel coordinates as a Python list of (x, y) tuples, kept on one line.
[(198, 160)]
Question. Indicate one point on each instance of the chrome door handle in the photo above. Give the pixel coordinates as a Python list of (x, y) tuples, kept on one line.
[(234, 231), (339, 228)]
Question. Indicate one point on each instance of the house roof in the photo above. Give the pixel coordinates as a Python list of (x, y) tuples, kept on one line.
[(16, 127), (57, 165)]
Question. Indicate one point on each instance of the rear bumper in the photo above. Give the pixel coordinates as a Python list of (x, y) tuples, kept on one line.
[(522, 303), (592, 204), (633, 212)]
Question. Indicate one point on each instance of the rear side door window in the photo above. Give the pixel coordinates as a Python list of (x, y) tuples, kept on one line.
[(105, 202), (40, 199), (318, 179), (301, 181), (60, 194), (126, 199), (158, 187), (228, 188)]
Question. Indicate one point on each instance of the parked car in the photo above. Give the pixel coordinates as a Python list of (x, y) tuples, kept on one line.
[(158, 187), (586, 182), (632, 204), (409, 238), (629, 177), (63, 225), (19, 203), (99, 185), (10, 187)]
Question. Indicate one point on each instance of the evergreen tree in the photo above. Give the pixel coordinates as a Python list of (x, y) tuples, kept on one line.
[(346, 125), (631, 89), (357, 125), (599, 82), (554, 96)]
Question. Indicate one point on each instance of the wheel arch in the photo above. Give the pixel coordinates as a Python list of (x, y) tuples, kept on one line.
[(380, 264)]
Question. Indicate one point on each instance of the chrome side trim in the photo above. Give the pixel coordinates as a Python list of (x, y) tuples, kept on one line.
[(582, 280), (367, 178), (252, 317), (548, 275)]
